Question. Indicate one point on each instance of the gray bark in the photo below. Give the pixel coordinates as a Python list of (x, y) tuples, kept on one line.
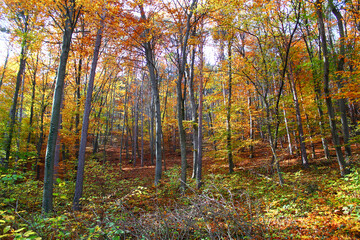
[(47, 204), (194, 114), (228, 113), (85, 125), (304, 160), (200, 127), (33, 93), (12, 115), (287, 132), (150, 62), (5, 66), (339, 80), (317, 90), (328, 100), (180, 98)]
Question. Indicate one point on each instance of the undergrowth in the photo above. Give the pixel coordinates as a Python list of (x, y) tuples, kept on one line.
[(313, 204)]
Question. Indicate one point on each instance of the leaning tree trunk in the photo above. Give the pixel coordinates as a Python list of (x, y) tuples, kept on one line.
[(4, 66), (328, 100), (339, 80), (317, 90), (85, 125), (12, 115), (47, 204)]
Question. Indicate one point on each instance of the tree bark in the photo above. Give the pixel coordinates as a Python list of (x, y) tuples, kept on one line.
[(150, 62), (47, 205), (85, 125), (9, 135), (304, 160), (180, 99), (328, 100), (228, 113), (339, 79), (194, 114), (200, 127)]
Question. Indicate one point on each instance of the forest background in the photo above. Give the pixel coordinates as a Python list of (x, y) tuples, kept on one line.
[(173, 119)]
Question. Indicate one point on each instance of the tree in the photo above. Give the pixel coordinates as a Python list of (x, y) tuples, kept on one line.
[(69, 12), (326, 80), (21, 16), (85, 124), (148, 45)]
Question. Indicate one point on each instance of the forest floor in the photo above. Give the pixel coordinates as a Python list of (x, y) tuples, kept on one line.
[(314, 203)]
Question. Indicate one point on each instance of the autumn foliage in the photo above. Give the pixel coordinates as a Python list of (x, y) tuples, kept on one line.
[(179, 119)]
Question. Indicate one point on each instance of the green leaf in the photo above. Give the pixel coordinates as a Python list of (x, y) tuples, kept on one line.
[(28, 233), (19, 230), (6, 229)]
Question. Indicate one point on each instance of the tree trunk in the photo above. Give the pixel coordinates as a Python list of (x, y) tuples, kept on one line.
[(200, 128), (33, 93), (150, 62), (194, 115), (151, 130), (304, 160), (228, 113), (77, 99), (142, 122), (287, 132), (5, 66), (135, 133), (339, 80), (331, 113), (317, 90), (180, 99), (47, 204), (12, 115), (85, 125)]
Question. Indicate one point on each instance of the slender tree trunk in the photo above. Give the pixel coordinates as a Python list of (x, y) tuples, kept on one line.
[(135, 133), (287, 132), (12, 116), (251, 126), (151, 130), (150, 62), (339, 79), (41, 135), (77, 99), (304, 159), (124, 123), (5, 66), (180, 118), (20, 118), (58, 145), (228, 114), (194, 115), (273, 145), (180, 98), (328, 100), (33, 93), (142, 122), (317, 90), (85, 125), (200, 129)]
